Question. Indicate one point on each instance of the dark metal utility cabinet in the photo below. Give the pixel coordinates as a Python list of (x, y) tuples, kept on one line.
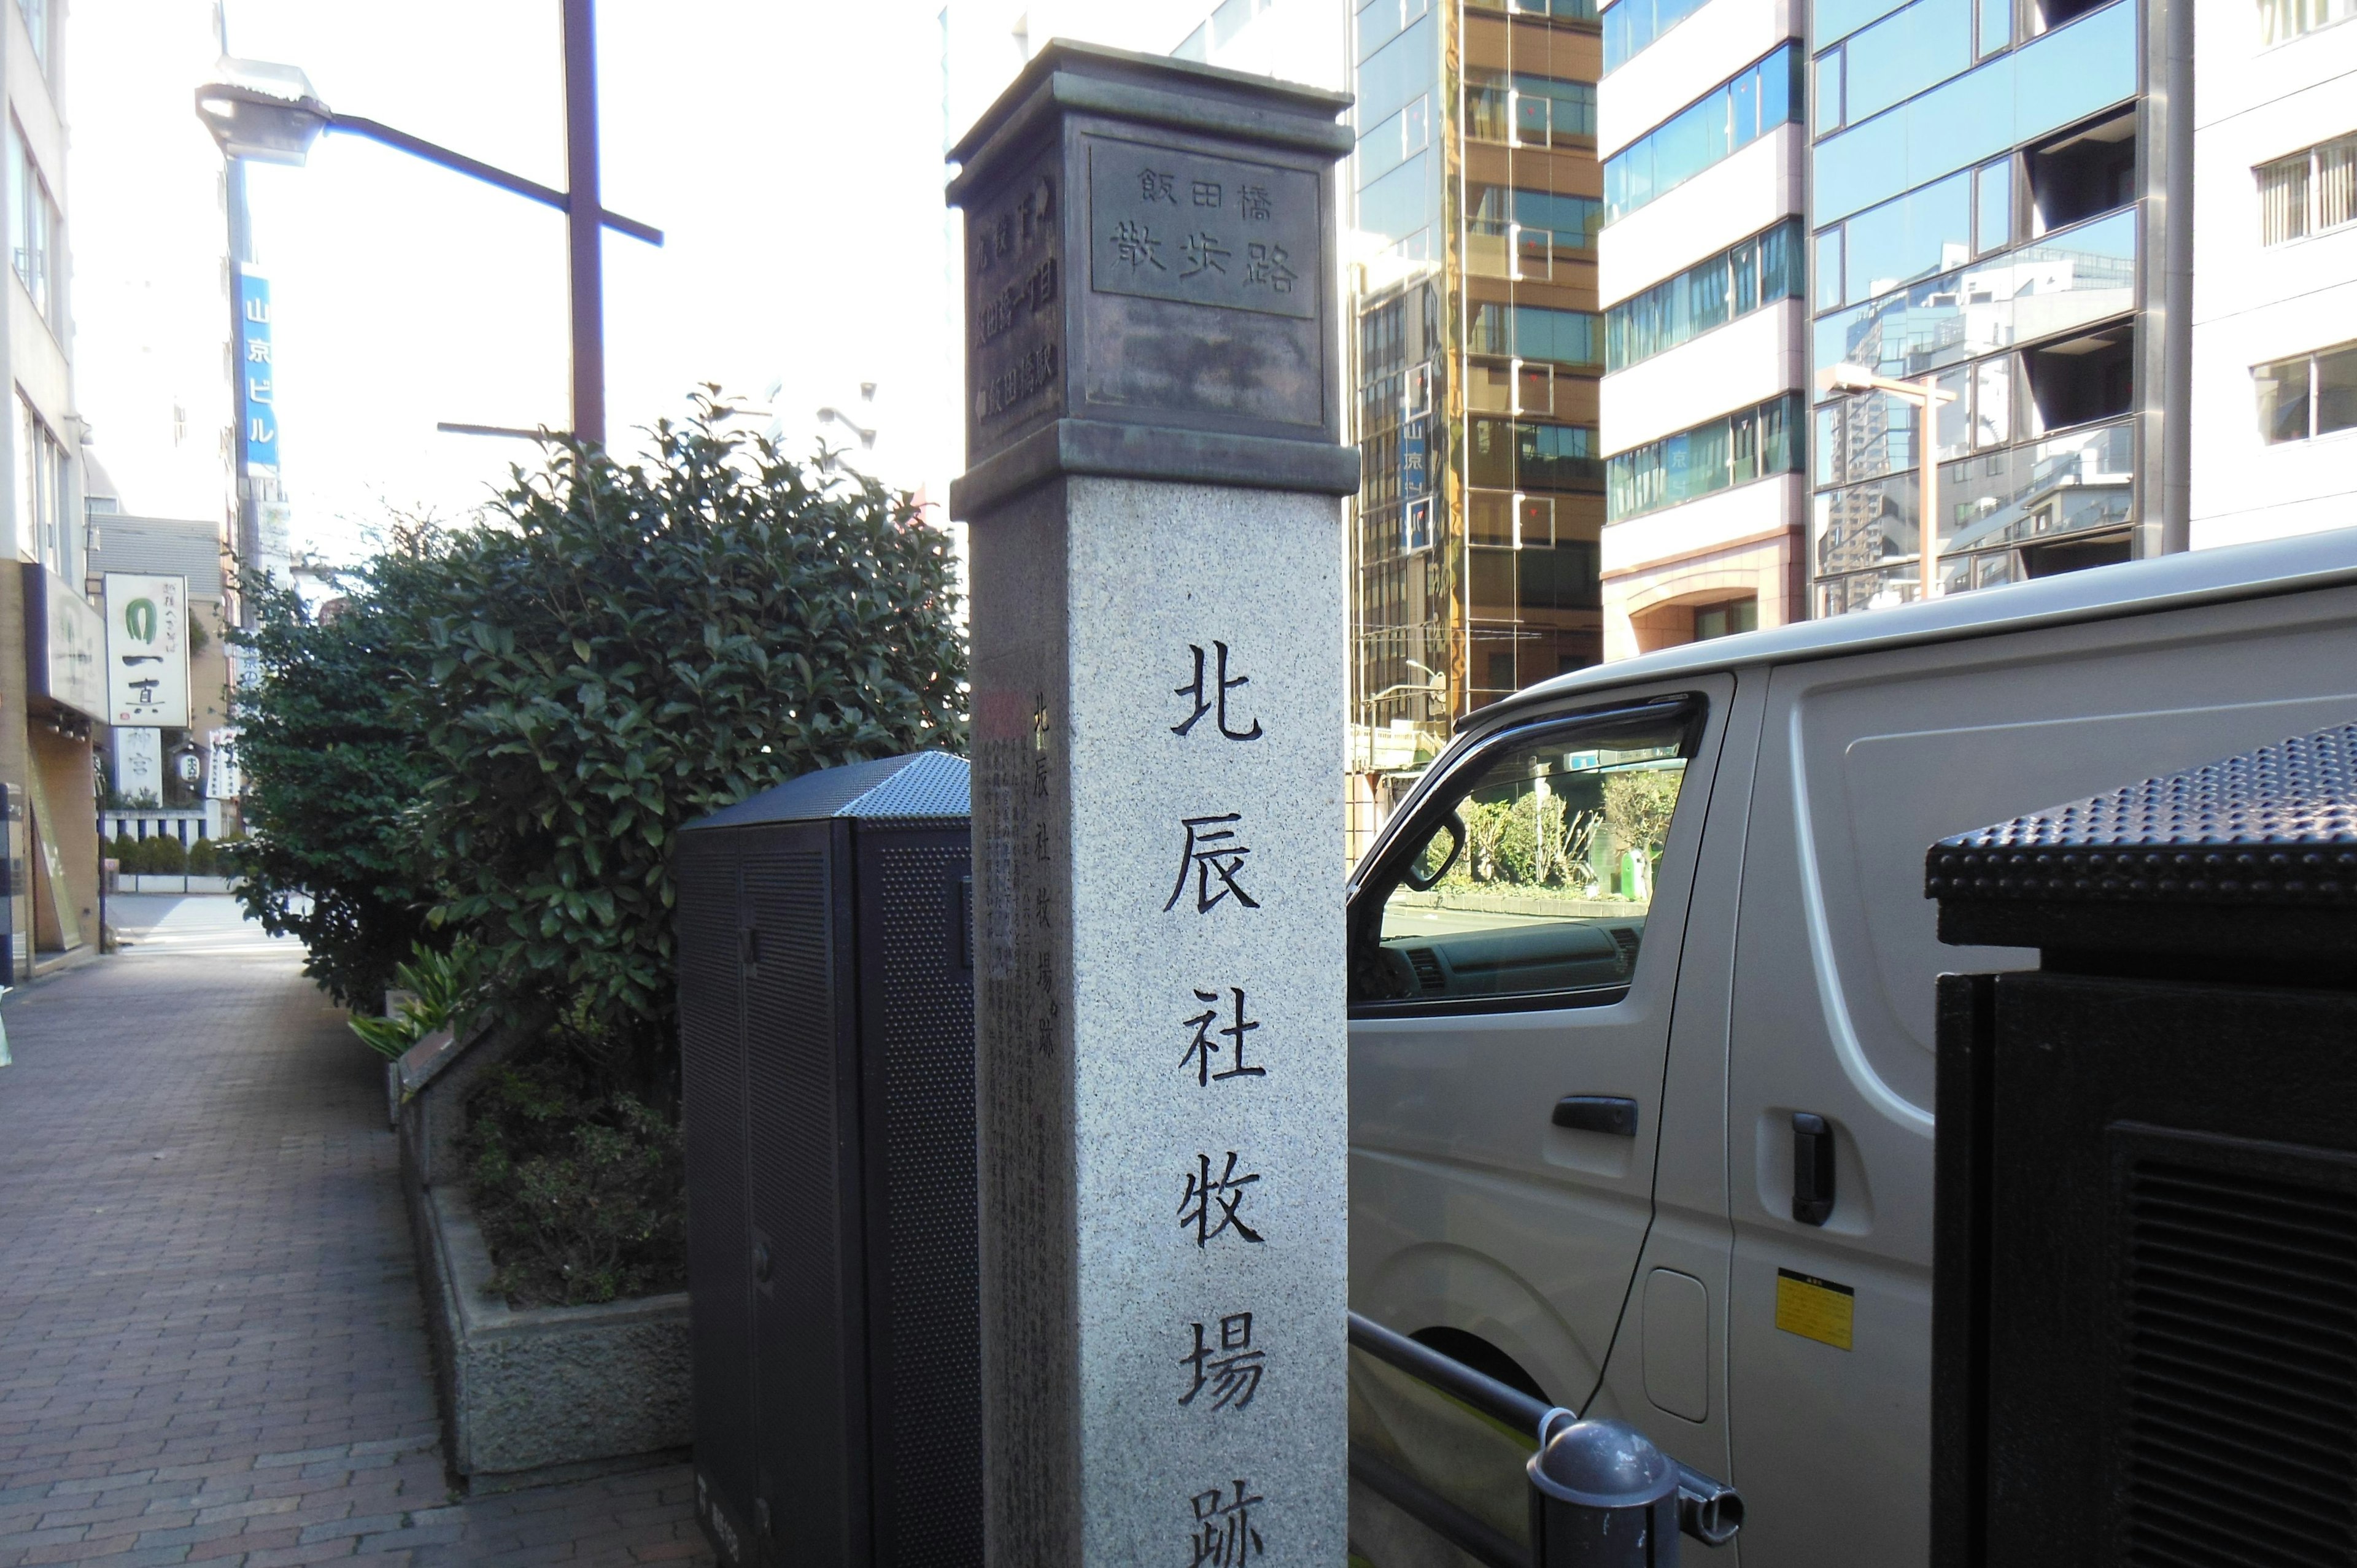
[(826, 1038), (2145, 1297)]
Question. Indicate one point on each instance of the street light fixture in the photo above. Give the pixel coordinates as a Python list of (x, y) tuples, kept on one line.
[(268, 113), (1927, 397), (263, 113)]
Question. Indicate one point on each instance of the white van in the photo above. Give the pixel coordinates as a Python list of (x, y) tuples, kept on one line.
[(1652, 935)]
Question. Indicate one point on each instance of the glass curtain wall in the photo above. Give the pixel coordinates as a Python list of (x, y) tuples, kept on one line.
[(1977, 234), (1477, 351)]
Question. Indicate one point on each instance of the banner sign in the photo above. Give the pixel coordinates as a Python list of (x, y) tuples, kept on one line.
[(224, 779), (257, 403), (147, 650), (139, 766), (65, 642)]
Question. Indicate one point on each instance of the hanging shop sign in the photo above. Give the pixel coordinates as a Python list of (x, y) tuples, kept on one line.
[(65, 641), (147, 650)]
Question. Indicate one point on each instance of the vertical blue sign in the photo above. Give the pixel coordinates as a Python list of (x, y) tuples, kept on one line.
[(257, 402), (1414, 480)]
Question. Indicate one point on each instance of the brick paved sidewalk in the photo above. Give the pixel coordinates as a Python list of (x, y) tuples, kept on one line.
[(211, 1345)]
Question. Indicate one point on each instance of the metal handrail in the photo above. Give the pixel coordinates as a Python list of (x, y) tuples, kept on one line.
[(1708, 1509)]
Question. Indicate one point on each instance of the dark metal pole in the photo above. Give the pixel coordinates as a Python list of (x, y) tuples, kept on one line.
[(585, 222)]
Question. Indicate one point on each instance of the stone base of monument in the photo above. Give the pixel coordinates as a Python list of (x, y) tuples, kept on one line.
[(539, 1395), (530, 1396)]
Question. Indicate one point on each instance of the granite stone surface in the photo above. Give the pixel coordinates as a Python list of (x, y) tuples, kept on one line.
[(1158, 696)]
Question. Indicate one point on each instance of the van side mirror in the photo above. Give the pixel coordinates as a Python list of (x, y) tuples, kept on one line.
[(1430, 865)]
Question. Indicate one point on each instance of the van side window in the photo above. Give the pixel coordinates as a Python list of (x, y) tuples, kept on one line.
[(1530, 873)]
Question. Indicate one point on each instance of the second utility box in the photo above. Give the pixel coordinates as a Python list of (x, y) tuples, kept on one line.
[(2145, 1292), (826, 1041)]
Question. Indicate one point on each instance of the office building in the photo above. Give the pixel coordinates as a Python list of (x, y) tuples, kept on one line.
[(2275, 270), (1476, 353), (1702, 272), (1988, 214), (47, 631)]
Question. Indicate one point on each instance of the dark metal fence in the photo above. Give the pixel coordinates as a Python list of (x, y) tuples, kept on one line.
[(1708, 1510)]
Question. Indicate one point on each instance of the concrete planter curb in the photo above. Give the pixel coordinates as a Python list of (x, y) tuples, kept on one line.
[(538, 1394), (543, 1388)]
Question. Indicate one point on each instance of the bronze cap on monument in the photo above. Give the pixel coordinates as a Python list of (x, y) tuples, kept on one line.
[(1148, 292)]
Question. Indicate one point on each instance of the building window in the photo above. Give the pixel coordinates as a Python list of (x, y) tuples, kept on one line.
[(1508, 454), (33, 223), (1571, 221), (1729, 117), (1760, 271), (40, 490), (2307, 395), (1534, 332), (1712, 456), (1528, 110), (1631, 25), (1726, 619), (2282, 19), (36, 23), (2309, 192)]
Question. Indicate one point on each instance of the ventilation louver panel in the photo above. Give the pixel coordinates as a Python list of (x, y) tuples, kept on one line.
[(2240, 1369), (1428, 968)]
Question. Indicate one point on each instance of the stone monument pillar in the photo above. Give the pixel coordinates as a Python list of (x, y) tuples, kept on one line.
[(1153, 425)]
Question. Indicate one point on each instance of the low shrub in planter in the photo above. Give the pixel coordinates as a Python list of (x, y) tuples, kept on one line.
[(124, 853), (161, 855), (580, 1188), (204, 858)]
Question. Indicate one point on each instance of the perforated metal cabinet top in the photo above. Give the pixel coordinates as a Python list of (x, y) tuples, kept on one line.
[(922, 787), (2276, 825)]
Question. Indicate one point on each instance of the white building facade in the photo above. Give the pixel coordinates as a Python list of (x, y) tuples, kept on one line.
[(2275, 275), (1702, 276)]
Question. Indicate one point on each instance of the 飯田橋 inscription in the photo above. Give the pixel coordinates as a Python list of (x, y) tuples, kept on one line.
[(1199, 230)]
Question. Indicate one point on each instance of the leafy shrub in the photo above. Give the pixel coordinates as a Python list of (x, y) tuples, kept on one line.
[(124, 852), (204, 858), (503, 724), (161, 855), (329, 769), (636, 645), (443, 988), (580, 1189)]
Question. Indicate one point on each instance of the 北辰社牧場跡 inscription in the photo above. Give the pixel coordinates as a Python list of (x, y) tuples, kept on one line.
[(1199, 230)]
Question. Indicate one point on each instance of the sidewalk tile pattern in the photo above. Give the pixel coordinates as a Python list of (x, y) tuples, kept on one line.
[(211, 1347)]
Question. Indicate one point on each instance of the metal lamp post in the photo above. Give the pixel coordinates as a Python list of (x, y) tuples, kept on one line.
[(1927, 397), (268, 113)]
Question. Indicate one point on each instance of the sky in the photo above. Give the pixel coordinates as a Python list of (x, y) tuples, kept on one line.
[(792, 152)]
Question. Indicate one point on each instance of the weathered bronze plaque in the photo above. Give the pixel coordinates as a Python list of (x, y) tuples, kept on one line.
[(1147, 246)]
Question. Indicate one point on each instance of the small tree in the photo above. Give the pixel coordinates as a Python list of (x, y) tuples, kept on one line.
[(638, 645), (331, 768)]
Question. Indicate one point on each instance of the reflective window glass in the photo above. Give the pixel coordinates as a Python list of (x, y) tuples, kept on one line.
[(1993, 402), (2283, 400), (1747, 106), (1829, 92), (1997, 25), (1829, 269), (1902, 55), (1531, 872), (2009, 99), (1834, 20), (2336, 391), (1993, 206)]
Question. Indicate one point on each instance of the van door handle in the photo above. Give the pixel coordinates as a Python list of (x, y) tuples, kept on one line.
[(1812, 1168), (1597, 1113)]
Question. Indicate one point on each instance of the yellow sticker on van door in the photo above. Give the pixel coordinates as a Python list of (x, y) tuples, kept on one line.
[(1814, 1308)]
